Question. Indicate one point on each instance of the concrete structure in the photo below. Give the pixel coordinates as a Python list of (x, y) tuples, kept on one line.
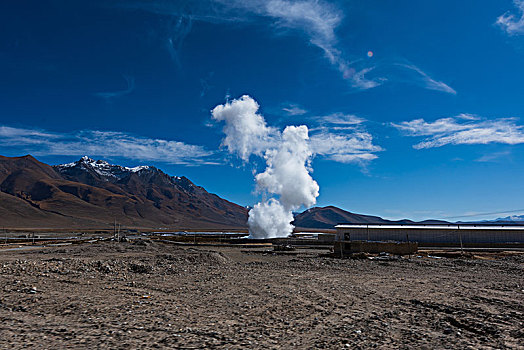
[(344, 248), (434, 235), (323, 237)]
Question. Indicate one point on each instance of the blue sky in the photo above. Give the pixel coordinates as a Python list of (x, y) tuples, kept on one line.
[(415, 108)]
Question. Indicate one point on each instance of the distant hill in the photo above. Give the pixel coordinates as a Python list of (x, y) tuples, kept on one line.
[(508, 220), (89, 193), (518, 219), (328, 217)]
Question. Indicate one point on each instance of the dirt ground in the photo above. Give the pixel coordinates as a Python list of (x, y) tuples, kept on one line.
[(146, 294)]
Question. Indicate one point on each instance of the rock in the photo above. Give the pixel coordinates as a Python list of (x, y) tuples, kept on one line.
[(139, 268)]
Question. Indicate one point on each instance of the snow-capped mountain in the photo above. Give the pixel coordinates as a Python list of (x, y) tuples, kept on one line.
[(508, 220), (93, 193), (90, 171), (512, 218), (100, 167)]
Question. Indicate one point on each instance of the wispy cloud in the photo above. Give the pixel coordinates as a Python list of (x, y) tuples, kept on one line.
[(294, 109), (21, 135), (355, 147), (359, 79), (463, 129), (319, 20), (511, 23), (338, 137), (494, 157), (178, 31), (315, 20), (204, 83), (109, 95), (105, 144), (427, 81), (343, 138), (340, 119), (468, 116)]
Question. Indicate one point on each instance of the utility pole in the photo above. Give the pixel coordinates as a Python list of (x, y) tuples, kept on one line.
[(460, 237)]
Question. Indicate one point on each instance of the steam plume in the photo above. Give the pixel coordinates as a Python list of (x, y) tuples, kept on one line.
[(246, 131), (286, 178)]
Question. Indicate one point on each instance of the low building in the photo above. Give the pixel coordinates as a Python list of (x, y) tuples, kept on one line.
[(434, 235)]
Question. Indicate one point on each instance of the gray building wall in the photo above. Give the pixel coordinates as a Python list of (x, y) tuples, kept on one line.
[(432, 235)]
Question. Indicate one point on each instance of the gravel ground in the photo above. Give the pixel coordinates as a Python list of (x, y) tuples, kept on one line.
[(153, 295)]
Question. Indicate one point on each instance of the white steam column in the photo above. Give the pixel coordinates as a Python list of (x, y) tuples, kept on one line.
[(286, 179)]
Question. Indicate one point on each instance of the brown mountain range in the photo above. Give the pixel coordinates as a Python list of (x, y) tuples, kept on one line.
[(328, 217), (93, 194)]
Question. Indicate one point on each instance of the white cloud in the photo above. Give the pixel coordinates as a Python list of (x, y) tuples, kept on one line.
[(340, 137), (319, 20), (104, 144), (24, 135), (316, 20), (359, 80), (428, 82), (356, 147), (511, 24), (343, 138), (459, 130), (468, 116), (419, 127), (494, 157), (294, 109), (341, 119)]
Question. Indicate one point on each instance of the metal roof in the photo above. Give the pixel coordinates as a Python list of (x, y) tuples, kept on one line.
[(313, 233), (432, 227)]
